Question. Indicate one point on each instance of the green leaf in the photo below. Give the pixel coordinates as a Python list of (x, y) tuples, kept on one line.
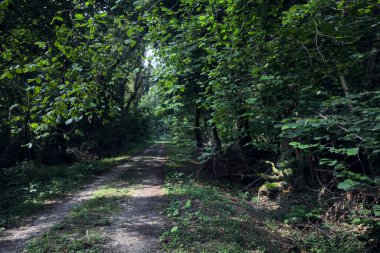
[(69, 121), (289, 126), (67, 138), (176, 212), (174, 229), (130, 32), (348, 185), (376, 210), (9, 74), (352, 151), (301, 146), (33, 126), (79, 132), (56, 18), (79, 16), (187, 204)]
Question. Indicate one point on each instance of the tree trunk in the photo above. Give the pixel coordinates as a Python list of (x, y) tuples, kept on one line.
[(370, 74), (215, 135), (344, 83), (197, 128), (27, 134), (245, 138), (137, 86)]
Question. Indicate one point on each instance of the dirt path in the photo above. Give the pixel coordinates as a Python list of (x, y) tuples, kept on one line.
[(138, 226)]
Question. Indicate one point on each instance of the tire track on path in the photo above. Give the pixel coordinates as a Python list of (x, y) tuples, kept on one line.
[(15, 239), (141, 221)]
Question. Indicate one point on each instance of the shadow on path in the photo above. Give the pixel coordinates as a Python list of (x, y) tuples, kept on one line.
[(141, 221)]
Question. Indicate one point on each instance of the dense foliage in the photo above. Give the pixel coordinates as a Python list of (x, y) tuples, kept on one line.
[(71, 75), (289, 84), (296, 78)]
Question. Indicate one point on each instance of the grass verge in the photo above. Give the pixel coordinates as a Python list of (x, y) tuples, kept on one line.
[(29, 187), (214, 216)]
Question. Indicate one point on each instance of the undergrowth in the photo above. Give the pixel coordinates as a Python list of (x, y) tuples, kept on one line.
[(208, 215)]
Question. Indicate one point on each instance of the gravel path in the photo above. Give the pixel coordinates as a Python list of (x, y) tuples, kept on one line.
[(138, 226)]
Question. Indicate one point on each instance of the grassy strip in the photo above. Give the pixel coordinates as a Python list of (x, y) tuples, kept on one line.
[(204, 218), (83, 229), (209, 216), (29, 187)]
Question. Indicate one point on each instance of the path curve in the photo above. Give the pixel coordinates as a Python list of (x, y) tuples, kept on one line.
[(15, 239)]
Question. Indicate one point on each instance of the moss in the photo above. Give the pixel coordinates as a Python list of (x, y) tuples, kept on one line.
[(288, 172), (274, 168), (271, 189), (273, 186)]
